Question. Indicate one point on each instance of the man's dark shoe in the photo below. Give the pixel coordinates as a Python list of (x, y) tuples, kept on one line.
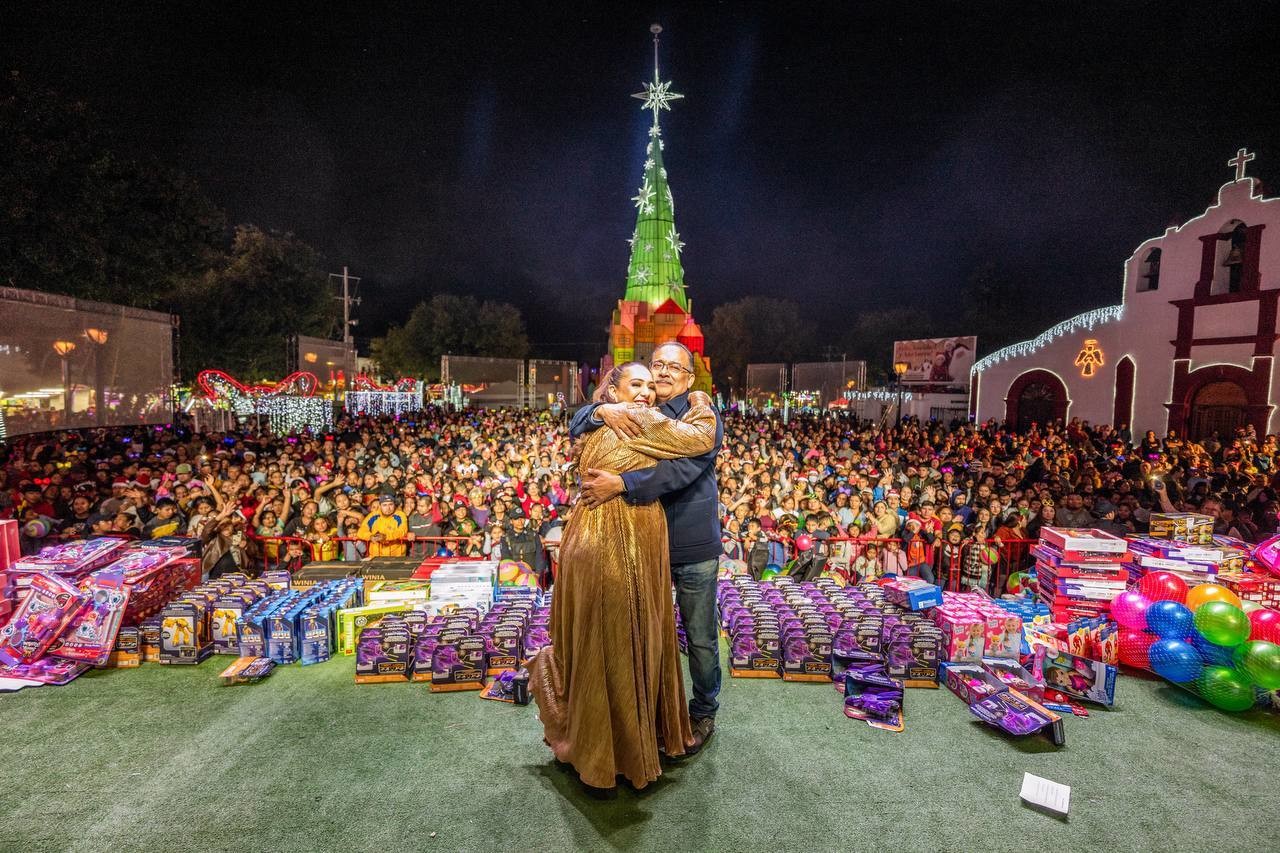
[(703, 729)]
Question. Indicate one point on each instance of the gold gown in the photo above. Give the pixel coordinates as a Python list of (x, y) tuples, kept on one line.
[(609, 686)]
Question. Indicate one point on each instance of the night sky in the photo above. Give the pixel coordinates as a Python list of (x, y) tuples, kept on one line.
[(846, 155)]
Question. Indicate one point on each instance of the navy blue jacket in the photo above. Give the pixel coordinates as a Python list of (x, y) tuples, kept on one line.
[(687, 488)]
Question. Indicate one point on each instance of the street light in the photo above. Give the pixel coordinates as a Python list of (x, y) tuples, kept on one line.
[(899, 368), (99, 339), (64, 349)]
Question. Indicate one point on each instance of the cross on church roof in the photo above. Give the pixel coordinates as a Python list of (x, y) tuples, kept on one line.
[(1243, 156)]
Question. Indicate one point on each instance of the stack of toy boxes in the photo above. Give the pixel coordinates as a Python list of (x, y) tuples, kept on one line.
[(1194, 562), (504, 629), (10, 552), (871, 628), (69, 561), (297, 625), (462, 584), (974, 626), (1080, 571), (748, 616), (816, 630)]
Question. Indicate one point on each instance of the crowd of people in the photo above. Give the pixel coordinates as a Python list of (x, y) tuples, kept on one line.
[(821, 493)]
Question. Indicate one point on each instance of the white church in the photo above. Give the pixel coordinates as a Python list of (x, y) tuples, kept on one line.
[(1190, 348)]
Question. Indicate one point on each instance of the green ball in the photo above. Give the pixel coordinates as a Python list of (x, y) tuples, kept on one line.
[(1221, 623), (1260, 660), (1226, 688)]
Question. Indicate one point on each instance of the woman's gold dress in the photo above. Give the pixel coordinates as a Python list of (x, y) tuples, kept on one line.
[(609, 686)]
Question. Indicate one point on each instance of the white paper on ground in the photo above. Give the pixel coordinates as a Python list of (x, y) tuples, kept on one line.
[(1046, 793)]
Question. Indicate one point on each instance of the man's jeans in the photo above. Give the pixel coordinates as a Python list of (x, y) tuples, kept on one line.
[(696, 596)]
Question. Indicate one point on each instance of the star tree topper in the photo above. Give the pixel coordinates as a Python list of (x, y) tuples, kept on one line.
[(657, 95)]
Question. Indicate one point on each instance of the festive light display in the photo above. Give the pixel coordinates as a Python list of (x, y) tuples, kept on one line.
[(383, 403), (1085, 321), (655, 306), (365, 382), (289, 405)]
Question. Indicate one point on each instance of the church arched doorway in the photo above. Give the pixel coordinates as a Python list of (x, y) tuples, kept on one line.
[(1218, 407), (1035, 397)]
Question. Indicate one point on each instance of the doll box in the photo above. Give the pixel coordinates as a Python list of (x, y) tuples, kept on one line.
[(1078, 677), (1014, 676)]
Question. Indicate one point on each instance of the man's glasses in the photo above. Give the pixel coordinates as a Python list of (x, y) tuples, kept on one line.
[(671, 366)]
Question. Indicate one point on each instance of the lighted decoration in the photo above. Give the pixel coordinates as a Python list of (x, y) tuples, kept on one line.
[(289, 405), (1089, 359), (1242, 158), (655, 306), (384, 403), (364, 382), (1087, 321)]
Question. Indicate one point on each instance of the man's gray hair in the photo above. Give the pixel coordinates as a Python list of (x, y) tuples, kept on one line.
[(688, 352)]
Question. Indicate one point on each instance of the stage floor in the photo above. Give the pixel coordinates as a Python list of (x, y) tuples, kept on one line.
[(164, 758)]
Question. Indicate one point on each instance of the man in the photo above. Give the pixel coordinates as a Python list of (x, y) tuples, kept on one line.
[(689, 494), (1073, 514), (384, 529), (521, 543)]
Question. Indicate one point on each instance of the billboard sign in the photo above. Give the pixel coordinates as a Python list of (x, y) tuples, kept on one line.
[(936, 361)]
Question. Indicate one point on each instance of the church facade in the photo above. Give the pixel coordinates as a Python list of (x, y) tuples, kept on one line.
[(1190, 348)]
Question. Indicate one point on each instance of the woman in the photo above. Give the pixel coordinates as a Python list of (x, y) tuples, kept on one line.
[(609, 688)]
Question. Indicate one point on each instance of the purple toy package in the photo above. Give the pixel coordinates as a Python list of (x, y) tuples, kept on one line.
[(91, 635), (51, 604)]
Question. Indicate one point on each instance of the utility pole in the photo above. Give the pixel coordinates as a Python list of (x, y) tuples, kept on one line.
[(347, 301)]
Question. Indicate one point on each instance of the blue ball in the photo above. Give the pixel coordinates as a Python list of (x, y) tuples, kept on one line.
[(1175, 660), (1170, 620), (1211, 653)]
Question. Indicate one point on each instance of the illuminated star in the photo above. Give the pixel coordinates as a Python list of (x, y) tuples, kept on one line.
[(673, 239), (657, 96), (643, 274), (644, 198)]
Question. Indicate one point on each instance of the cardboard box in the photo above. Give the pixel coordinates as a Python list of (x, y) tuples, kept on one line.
[(458, 665), (1188, 527), (1076, 542)]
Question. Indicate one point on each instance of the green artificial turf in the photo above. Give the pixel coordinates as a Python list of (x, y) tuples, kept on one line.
[(165, 759)]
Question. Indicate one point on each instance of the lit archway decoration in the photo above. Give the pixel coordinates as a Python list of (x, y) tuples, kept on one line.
[(219, 385), (289, 405), (364, 382)]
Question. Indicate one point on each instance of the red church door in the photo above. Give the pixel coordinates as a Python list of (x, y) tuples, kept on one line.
[(1218, 407)]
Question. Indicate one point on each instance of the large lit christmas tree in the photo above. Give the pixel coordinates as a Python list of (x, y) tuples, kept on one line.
[(656, 308)]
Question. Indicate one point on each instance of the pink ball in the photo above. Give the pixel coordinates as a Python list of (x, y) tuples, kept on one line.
[(804, 542), (1129, 608)]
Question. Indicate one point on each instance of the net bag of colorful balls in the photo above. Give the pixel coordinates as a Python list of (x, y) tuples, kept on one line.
[(1202, 638), (516, 573)]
